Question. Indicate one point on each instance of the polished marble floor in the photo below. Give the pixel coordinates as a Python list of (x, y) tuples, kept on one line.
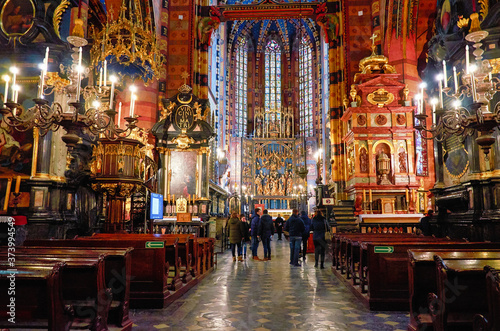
[(271, 295)]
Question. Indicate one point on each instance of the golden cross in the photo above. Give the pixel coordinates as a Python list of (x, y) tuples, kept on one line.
[(373, 38), (185, 76)]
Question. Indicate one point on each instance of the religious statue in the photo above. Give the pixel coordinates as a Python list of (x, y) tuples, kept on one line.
[(258, 185), (363, 160), (402, 160), (207, 25), (258, 130)]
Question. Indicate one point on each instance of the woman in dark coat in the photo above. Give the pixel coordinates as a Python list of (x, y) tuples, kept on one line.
[(319, 227), (235, 234), (246, 235)]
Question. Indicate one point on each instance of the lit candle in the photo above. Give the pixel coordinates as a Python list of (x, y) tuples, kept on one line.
[(445, 76), (7, 194), (370, 193), (364, 195), (119, 113), (105, 73), (100, 77), (14, 72), (440, 92), (112, 95), (18, 184), (455, 79), (412, 195), (6, 79), (406, 194), (16, 89), (79, 75), (132, 104), (46, 59), (467, 59)]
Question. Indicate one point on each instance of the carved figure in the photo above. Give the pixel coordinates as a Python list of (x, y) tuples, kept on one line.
[(402, 161), (363, 160), (206, 26)]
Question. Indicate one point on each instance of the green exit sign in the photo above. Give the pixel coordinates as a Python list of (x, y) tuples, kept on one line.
[(155, 244), (384, 249)]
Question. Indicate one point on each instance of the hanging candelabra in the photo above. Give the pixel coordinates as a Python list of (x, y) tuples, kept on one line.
[(478, 84)]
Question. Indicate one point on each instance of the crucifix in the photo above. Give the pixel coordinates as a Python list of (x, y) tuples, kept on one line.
[(373, 42)]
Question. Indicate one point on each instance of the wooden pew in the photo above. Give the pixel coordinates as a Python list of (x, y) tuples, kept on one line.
[(38, 299), (83, 286), (387, 273), (172, 259), (362, 255), (422, 278), (491, 321), (184, 248), (148, 276), (461, 293), (117, 264)]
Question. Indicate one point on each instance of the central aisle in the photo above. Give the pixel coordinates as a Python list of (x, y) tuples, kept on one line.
[(271, 295)]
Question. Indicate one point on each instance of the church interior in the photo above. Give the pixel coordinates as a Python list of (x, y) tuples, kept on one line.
[(130, 131)]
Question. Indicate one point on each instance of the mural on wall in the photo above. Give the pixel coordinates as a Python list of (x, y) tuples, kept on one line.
[(183, 180)]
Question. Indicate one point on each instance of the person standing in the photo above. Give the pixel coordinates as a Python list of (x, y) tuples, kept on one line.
[(425, 224), (235, 234), (254, 228), (246, 235), (319, 226), (266, 230), (295, 228), (279, 226), (305, 236)]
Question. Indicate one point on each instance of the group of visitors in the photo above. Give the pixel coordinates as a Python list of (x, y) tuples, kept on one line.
[(261, 228)]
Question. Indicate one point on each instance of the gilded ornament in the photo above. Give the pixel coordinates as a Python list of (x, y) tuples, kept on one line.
[(183, 141), (57, 16), (463, 22), (406, 92), (380, 97)]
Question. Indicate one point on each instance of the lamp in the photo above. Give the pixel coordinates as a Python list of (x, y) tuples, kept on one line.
[(318, 157), (477, 83)]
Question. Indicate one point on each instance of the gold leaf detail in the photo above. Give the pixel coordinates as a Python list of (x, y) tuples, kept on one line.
[(56, 20)]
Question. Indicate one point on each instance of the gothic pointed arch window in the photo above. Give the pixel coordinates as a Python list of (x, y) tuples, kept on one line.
[(241, 88), (305, 88), (272, 103)]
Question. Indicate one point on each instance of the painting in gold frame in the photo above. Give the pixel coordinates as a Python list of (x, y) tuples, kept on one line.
[(17, 16)]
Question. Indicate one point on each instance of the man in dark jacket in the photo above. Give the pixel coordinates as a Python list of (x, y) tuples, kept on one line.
[(295, 228), (425, 224), (279, 225), (305, 236), (254, 232), (266, 230)]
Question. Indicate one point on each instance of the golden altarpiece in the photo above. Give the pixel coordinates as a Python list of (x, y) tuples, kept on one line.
[(381, 147)]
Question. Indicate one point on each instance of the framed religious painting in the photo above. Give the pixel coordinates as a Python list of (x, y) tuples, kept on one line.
[(16, 17), (183, 167)]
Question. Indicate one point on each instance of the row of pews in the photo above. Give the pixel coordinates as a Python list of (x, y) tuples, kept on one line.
[(91, 282), (445, 284)]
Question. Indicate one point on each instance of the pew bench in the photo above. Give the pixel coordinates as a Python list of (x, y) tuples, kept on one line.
[(422, 278), (117, 264), (38, 299), (387, 272), (148, 272), (461, 293), (83, 287), (491, 321)]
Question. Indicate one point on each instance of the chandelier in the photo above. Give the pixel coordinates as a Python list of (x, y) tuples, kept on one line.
[(97, 112), (128, 44), (478, 84)]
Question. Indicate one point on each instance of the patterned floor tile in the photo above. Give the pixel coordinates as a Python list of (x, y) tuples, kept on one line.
[(268, 296)]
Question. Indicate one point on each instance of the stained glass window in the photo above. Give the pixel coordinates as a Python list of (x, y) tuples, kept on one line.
[(241, 89), (305, 88), (273, 81)]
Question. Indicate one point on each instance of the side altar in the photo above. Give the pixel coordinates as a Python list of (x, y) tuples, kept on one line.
[(385, 158), (183, 135)]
